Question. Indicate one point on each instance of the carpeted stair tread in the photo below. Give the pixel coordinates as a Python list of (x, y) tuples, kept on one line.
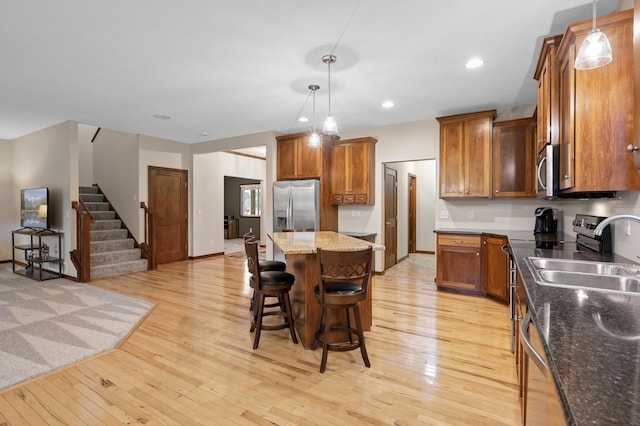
[(103, 225), (114, 257), (111, 245), (97, 206), (108, 234), (110, 270)]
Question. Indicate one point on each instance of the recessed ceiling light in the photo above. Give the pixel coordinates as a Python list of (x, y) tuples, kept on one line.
[(161, 117), (474, 63), (303, 119), (388, 104)]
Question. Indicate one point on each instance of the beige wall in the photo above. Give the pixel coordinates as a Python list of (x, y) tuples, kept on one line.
[(9, 199), (85, 154)]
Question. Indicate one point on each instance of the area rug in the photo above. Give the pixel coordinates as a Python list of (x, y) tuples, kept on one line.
[(46, 325)]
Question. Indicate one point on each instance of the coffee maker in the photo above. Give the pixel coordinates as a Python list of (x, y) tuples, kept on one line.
[(546, 220)]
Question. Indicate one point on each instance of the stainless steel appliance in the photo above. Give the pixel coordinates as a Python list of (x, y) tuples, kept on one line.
[(506, 249), (296, 205), (546, 220), (548, 172), (583, 226)]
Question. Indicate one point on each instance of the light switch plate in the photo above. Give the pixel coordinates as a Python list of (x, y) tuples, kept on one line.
[(444, 214)]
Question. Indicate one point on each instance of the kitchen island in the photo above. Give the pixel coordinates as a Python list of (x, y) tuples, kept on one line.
[(299, 250)]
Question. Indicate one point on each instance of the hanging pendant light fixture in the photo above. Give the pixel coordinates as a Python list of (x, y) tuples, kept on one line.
[(595, 50), (314, 138), (330, 127)]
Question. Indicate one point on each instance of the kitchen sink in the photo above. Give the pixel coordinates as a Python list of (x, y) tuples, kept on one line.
[(569, 265), (570, 273)]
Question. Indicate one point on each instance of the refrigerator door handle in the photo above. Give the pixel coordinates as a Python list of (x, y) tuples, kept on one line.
[(290, 210)]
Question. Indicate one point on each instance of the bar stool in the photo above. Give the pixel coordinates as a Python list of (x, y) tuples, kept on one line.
[(344, 280), (268, 283), (265, 265)]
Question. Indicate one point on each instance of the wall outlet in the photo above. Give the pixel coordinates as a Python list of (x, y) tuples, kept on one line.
[(472, 214), (444, 214)]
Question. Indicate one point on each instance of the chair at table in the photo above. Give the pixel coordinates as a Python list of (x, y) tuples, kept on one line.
[(265, 265), (264, 284), (344, 280)]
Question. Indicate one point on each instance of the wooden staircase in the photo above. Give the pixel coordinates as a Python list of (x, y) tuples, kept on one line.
[(112, 249)]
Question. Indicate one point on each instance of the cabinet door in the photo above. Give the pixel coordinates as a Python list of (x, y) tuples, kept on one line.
[(496, 268), (567, 123), (358, 168), (543, 128), (458, 263), (452, 159), (339, 170), (308, 159), (287, 159), (477, 158), (513, 158)]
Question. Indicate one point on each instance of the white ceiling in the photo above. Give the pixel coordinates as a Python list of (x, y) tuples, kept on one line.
[(227, 68)]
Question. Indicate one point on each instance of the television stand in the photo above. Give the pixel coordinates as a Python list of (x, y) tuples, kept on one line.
[(40, 250)]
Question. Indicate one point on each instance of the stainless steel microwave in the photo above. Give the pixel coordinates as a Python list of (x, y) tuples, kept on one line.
[(548, 172)]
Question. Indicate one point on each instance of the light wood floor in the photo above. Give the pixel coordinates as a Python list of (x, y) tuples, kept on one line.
[(436, 359)]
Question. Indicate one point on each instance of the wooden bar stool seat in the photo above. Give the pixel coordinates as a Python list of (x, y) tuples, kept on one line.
[(266, 284), (343, 284)]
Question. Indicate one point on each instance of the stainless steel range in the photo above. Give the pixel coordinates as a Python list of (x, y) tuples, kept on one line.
[(583, 226)]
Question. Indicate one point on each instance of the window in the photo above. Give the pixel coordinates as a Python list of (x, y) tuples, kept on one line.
[(250, 200)]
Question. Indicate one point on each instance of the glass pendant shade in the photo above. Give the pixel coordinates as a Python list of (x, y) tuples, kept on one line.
[(594, 52), (314, 139), (330, 127)]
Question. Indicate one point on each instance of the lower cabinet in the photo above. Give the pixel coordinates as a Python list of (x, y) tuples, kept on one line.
[(458, 262), (473, 263), (495, 266)]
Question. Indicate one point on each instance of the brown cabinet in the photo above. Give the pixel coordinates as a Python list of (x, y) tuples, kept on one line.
[(352, 171), (548, 97), (495, 277), (465, 155), (512, 147), (458, 262), (298, 160), (596, 111)]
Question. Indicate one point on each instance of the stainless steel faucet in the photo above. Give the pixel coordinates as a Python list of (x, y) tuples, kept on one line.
[(598, 231)]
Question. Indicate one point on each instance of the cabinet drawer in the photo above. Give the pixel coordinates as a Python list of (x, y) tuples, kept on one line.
[(361, 199), (459, 240), (336, 199), (348, 199)]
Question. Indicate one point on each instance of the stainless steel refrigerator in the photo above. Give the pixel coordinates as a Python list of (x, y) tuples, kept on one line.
[(296, 205)]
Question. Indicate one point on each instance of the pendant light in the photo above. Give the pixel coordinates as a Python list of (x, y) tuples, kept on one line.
[(595, 50), (314, 138), (330, 127)]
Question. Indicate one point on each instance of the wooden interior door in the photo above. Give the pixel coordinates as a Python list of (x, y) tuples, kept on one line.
[(390, 217), (168, 201), (412, 214)]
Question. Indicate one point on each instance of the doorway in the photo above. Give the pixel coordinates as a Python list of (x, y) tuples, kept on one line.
[(412, 213), (390, 216), (169, 202)]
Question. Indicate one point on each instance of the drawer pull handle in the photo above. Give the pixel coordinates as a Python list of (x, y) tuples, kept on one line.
[(458, 241)]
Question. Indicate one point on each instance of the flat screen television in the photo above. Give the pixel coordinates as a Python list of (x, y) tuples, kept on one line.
[(34, 212)]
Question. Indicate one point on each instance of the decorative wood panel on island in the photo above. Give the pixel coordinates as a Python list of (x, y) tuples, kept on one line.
[(299, 251)]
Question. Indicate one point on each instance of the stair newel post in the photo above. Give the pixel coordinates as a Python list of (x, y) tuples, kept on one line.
[(81, 255), (147, 245)]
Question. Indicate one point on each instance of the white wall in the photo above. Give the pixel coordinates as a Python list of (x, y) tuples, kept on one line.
[(49, 157), (115, 170), (209, 171), (9, 199), (85, 154)]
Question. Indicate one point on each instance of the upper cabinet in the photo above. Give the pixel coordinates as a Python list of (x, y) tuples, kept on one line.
[(548, 105), (512, 147), (298, 160), (465, 154), (352, 171), (596, 111)]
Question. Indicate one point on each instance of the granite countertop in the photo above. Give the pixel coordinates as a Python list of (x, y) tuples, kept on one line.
[(591, 338), (309, 242)]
